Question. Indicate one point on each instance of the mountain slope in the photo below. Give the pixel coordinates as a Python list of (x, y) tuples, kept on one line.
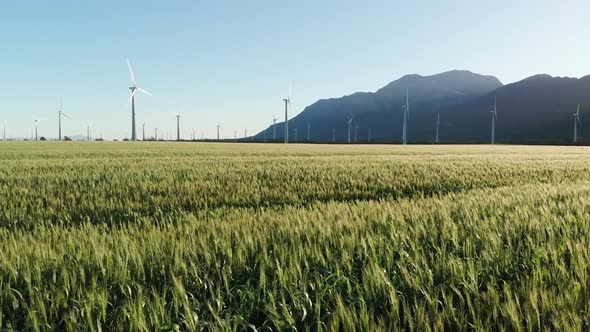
[(536, 110), (381, 110)]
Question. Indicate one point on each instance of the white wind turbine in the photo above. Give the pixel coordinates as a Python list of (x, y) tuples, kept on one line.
[(134, 90), (494, 116), (218, 129), (60, 113), (287, 105), (36, 129), (577, 123), (274, 127), (406, 109), (349, 122), (437, 126), (178, 127)]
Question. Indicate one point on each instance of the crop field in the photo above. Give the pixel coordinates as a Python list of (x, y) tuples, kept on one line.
[(132, 236)]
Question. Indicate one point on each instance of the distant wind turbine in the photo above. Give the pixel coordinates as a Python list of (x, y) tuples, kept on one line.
[(437, 126), (287, 105), (577, 123), (274, 127), (406, 109), (349, 122), (143, 132), (60, 113), (134, 90), (178, 127), (494, 116), (218, 128), (37, 129), (356, 128), (334, 135), (88, 133)]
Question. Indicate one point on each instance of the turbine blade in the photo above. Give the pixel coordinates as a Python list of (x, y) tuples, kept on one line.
[(64, 114), (131, 73), (132, 95), (143, 91)]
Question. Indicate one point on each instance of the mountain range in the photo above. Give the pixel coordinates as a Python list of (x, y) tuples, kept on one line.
[(536, 110)]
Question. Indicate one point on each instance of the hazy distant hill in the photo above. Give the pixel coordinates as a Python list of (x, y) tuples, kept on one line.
[(536, 110)]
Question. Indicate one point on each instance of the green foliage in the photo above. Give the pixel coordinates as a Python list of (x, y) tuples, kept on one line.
[(171, 237)]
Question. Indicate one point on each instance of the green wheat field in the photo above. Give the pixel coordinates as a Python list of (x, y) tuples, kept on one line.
[(125, 236)]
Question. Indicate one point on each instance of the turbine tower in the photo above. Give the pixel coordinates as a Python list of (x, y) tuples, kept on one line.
[(178, 127), (494, 115), (349, 121), (437, 126), (134, 90), (4, 133), (274, 127), (218, 128), (356, 129), (59, 115), (36, 136), (406, 108), (287, 104), (156, 134), (88, 131), (334, 135), (577, 123), (143, 132)]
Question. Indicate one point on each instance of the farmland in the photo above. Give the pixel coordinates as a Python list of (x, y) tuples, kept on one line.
[(188, 236)]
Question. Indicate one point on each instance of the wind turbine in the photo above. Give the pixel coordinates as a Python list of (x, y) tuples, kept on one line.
[(218, 128), (36, 128), (156, 134), (143, 132), (287, 104), (356, 128), (577, 123), (494, 115), (406, 109), (4, 133), (274, 127), (245, 134), (437, 126), (178, 127), (349, 121), (134, 90), (88, 133), (59, 115), (334, 135)]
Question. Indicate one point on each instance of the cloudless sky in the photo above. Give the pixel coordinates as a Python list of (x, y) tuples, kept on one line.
[(232, 61)]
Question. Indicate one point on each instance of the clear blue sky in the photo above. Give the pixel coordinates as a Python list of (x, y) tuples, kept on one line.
[(232, 61)]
